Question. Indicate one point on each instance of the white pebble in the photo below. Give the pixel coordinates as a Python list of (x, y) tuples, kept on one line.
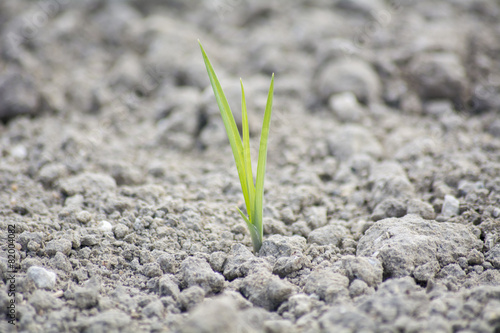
[(451, 206), (106, 226), (19, 152), (42, 278)]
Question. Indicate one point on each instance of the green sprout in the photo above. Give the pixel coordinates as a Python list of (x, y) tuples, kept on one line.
[(252, 192)]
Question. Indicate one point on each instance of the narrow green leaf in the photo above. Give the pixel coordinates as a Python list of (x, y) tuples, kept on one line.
[(254, 232), (246, 153), (261, 166), (230, 125)]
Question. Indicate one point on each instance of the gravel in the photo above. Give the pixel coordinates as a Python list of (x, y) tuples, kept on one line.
[(118, 187)]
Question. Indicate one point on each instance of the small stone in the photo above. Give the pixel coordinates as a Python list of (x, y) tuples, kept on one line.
[(266, 290), (191, 297), (451, 271), (168, 263), (346, 107), (426, 271), (154, 309), (84, 217), (88, 296), (451, 206), (389, 207), (168, 287), (120, 231), (357, 288), (366, 269), (58, 245), (419, 207), (217, 260), (152, 269), (197, 272), (89, 240), (493, 256), (105, 226), (279, 246), (332, 234), (349, 75), (18, 94), (42, 278), (329, 286), (60, 261)]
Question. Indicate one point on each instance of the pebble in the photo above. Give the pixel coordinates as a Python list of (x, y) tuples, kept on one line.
[(451, 206), (42, 278), (105, 226)]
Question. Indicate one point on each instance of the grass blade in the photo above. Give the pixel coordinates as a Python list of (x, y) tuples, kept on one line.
[(246, 153), (261, 166), (230, 125)]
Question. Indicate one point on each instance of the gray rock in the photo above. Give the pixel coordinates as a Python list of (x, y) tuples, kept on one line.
[(242, 262), (152, 269), (87, 297), (282, 246), (168, 263), (366, 269), (395, 299), (346, 107), (493, 256), (60, 261), (353, 139), (419, 207), (438, 75), (168, 286), (327, 285), (287, 265), (42, 300), (191, 297), (477, 258), (83, 217), (450, 207), (18, 95), (217, 261), (332, 234), (216, 315), (89, 240), (302, 304), (154, 309), (51, 172), (58, 245), (88, 183), (389, 207), (358, 288), (120, 231), (265, 290), (197, 272), (451, 271), (26, 237), (316, 216), (426, 271), (349, 75), (389, 180), (42, 278), (402, 244)]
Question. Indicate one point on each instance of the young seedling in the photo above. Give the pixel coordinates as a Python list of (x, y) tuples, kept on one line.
[(252, 192)]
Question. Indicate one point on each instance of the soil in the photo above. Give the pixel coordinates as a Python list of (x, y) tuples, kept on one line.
[(118, 189)]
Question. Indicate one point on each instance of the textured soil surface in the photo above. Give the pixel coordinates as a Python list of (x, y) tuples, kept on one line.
[(118, 189)]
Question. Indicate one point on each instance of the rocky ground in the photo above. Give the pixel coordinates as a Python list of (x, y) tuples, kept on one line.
[(118, 188)]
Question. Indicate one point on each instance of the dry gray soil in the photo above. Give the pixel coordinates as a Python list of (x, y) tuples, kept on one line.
[(118, 189)]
